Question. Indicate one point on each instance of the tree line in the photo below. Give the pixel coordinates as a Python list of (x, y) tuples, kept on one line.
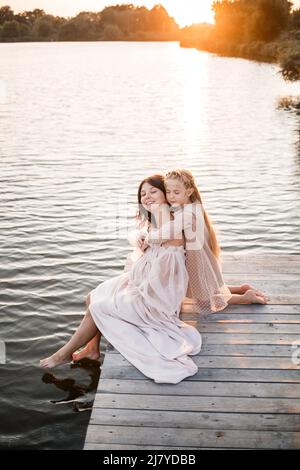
[(119, 22), (267, 30)]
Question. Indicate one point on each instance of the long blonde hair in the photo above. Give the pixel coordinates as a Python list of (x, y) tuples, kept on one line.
[(186, 177)]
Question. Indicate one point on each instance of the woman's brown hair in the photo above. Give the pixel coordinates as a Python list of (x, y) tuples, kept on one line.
[(143, 216)]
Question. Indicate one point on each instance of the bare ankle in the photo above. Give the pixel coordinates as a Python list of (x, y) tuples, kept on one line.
[(237, 299)]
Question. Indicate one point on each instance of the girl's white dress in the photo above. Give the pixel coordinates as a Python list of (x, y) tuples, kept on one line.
[(138, 311)]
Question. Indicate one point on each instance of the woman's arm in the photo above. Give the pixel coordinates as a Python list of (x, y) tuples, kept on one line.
[(135, 239)]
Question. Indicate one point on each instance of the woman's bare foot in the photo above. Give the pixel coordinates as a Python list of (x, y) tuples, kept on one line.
[(55, 360), (252, 296), (87, 352)]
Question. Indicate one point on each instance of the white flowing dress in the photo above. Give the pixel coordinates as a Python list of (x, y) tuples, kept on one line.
[(138, 313)]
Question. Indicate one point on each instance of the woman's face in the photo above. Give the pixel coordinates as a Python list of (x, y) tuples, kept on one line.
[(151, 197)]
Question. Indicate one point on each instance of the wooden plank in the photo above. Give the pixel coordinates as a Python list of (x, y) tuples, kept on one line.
[(218, 375), (188, 307), (283, 328), (278, 285), (236, 270), (244, 318), (256, 389), (241, 350), (273, 261), (95, 446), (236, 338), (232, 269), (196, 420), (272, 258), (192, 437), (197, 403), (229, 362), (260, 309), (284, 299), (251, 278), (245, 362), (249, 339)]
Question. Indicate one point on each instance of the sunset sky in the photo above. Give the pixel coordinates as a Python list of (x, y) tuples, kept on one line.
[(184, 11)]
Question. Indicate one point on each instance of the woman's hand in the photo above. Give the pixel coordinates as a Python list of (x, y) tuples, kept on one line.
[(142, 244)]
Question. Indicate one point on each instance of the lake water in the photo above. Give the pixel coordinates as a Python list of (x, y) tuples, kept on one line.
[(80, 125)]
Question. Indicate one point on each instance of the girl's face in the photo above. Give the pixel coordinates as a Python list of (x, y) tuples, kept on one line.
[(151, 197), (177, 194)]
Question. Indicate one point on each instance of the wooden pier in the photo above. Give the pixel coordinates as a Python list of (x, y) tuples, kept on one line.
[(246, 392)]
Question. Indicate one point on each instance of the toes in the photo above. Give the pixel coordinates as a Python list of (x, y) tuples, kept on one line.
[(262, 300), (44, 363), (77, 356), (261, 294)]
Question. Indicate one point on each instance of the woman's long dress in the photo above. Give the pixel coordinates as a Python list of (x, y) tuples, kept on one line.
[(138, 313)]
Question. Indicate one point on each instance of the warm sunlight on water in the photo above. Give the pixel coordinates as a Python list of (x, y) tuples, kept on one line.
[(80, 125)]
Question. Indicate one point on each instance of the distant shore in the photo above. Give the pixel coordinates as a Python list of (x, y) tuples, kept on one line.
[(261, 52), (252, 32), (163, 37)]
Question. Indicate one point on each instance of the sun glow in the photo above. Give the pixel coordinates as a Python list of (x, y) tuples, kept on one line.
[(187, 12)]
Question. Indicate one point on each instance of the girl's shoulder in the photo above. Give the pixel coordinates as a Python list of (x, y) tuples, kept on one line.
[(188, 211)]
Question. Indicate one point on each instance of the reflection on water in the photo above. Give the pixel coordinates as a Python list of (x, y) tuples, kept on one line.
[(76, 390), (80, 125)]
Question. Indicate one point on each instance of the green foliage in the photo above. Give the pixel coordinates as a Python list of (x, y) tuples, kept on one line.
[(289, 61), (251, 20), (119, 22), (6, 14), (10, 29), (295, 19), (266, 30)]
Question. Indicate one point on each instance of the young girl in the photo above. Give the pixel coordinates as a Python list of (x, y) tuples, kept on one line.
[(203, 260)]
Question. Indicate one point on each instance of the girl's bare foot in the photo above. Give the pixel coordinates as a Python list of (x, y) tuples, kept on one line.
[(244, 287), (252, 297), (55, 360), (87, 352)]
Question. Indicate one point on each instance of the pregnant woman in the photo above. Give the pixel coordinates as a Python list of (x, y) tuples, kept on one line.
[(138, 311)]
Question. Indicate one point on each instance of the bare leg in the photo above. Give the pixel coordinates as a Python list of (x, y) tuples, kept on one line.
[(92, 349), (86, 330), (243, 288), (249, 297)]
